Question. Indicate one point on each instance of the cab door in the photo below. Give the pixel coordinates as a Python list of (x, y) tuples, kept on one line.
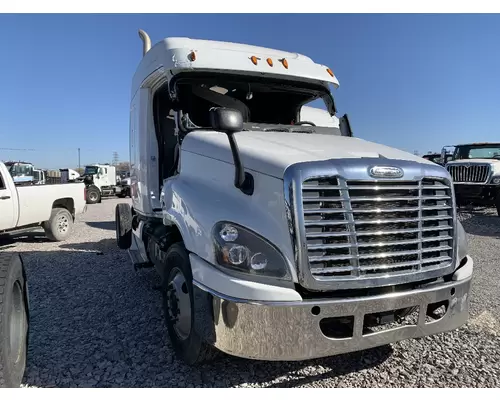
[(7, 206)]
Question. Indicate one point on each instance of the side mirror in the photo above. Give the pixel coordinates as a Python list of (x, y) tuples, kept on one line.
[(345, 126), (226, 120), (230, 121)]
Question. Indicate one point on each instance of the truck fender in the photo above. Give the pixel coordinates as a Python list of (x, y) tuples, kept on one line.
[(195, 215)]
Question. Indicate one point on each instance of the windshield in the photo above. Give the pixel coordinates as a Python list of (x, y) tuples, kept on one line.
[(265, 104), (477, 151), (90, 170), (436, 158)]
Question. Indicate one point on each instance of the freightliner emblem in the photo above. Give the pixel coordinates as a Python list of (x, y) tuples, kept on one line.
[(385, 172)]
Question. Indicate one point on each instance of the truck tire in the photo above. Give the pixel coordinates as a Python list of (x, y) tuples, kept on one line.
[(178, 303), (93, 195), (497, 203), (60, 225), (123, 221), (14, 320)]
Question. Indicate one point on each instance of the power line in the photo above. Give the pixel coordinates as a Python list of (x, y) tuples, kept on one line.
[(46, 150), (7, 148)]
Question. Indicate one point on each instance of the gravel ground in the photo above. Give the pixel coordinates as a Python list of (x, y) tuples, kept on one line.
[(95, 322)]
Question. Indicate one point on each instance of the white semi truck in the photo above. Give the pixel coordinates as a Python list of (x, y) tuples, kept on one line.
[(277, 235), (22, 172), (101, 181)]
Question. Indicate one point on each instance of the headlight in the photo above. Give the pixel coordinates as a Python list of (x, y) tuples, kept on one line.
[(495, 180), (244, 251)]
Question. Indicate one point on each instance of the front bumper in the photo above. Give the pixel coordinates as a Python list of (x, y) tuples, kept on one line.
[(291, 330)]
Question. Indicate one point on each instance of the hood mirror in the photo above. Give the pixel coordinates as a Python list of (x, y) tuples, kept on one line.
[(230, 121)]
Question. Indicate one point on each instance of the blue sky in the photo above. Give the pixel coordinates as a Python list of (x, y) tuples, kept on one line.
[(415, 82)]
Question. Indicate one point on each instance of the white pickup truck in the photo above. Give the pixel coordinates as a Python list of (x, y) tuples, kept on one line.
[(52, 207)]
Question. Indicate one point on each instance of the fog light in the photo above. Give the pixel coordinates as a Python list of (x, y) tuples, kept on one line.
[(496, 181), (258, 261)]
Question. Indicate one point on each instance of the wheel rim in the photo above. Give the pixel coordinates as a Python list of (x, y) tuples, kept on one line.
[(93, 196), (62, 224), (179, 304), (17, 322)]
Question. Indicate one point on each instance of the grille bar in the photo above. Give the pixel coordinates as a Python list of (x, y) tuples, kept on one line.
[(469, 173), (378, 221), (379, 233), (360, 228), (380, 255), (378, 267), (378, 244)]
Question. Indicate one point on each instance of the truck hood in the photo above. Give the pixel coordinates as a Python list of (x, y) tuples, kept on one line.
[(475, 161), (271, 153)]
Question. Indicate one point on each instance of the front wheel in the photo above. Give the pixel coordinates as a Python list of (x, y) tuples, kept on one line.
[(93, 195), (178, 308), (123, 221), (14, 321)]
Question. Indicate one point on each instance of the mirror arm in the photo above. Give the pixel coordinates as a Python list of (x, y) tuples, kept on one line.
[(242, 180)]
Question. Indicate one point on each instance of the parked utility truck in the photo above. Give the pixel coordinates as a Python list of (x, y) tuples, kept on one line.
[(475, 170), (279, 236), (101, 181)]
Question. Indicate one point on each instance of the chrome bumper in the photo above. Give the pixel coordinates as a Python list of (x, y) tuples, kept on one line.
[(291, 331)]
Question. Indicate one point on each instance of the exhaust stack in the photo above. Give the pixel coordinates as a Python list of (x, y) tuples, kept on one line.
[(146, 42)]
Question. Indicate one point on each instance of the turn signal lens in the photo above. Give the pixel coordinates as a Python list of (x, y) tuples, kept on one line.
[(284, 62), (192, 56), (254, 59), (330, 72), (270, 62)]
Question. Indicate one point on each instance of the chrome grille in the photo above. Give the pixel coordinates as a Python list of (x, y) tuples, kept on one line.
[(359, 229), (470, 173)]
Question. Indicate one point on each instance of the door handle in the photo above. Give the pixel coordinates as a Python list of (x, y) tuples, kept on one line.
[(4, 197)]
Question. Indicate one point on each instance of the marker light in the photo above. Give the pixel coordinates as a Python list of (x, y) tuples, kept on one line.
[(254, 59)]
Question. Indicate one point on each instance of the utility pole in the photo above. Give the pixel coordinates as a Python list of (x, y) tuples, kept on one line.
[(78, 158)]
